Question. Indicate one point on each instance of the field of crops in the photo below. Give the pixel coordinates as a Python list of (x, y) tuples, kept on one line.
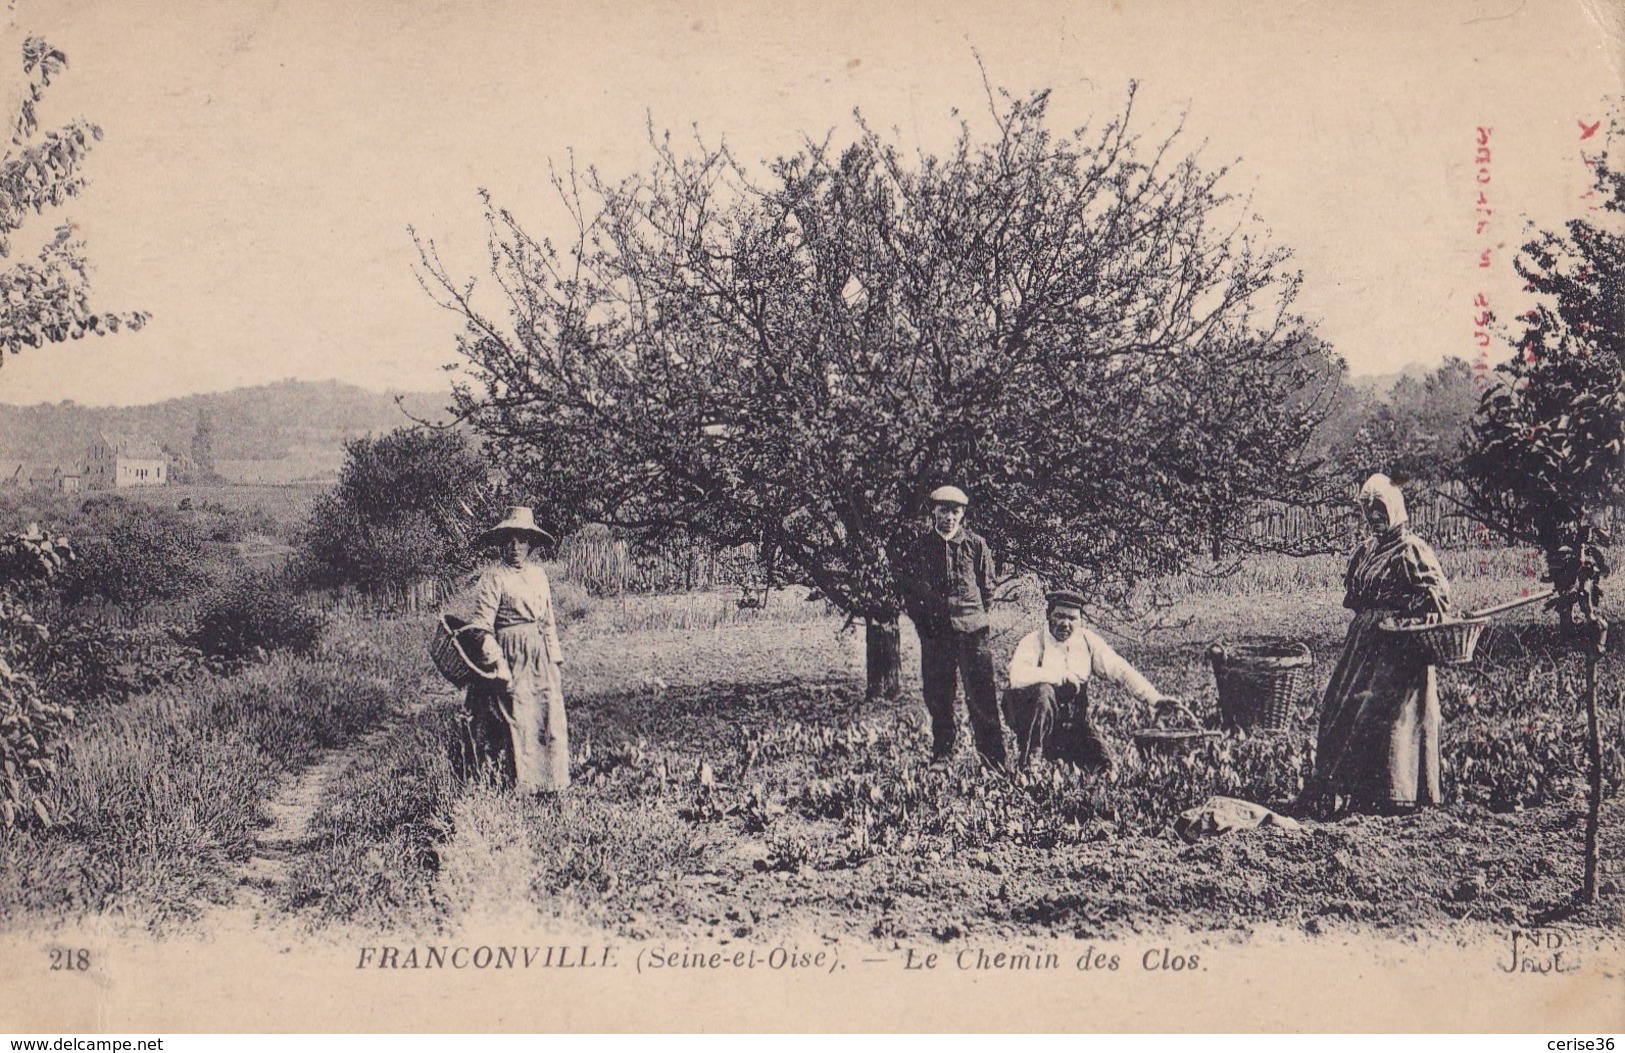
[(726, 783)]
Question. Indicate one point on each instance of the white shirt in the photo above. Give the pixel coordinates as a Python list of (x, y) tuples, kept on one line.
[(1042, 659)]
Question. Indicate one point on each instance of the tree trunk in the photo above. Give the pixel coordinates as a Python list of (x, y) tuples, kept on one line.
[(883, 659), (1594, 763)]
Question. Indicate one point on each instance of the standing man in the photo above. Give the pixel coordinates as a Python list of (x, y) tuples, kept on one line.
[(946, 578), (1048, 699)]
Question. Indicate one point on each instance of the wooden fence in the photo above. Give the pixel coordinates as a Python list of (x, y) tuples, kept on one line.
[(426, 594), (1435, 514), (607, 563)]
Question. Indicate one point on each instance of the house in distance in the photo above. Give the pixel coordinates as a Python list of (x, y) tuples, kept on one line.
[(52, 477), (21, 475), (118, 461)]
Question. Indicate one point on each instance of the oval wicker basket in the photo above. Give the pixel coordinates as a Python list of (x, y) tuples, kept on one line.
[(447, 649), (1443, 643), (1260, 682)]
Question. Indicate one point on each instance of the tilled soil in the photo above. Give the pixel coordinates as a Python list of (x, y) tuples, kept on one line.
[(1432, 871)]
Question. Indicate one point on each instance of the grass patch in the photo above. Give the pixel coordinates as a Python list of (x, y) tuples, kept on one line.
[(162, 796), (702, 611), (1263, 575), (372, 850), (566, 856)]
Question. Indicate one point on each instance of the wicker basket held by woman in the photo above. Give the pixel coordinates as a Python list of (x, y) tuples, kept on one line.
[(1449, 642), (1454, 641), (464, 654)]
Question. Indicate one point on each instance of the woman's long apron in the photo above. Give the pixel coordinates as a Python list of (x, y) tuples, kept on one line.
[(521, 725), (1379, 723)]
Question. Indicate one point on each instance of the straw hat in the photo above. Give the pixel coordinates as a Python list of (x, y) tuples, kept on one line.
[(517, 520)]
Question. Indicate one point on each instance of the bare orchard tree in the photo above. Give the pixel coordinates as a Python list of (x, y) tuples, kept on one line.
[(1056, 322)]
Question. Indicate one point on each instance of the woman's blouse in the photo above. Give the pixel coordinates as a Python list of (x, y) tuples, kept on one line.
[(1396, 571), (509, 596)]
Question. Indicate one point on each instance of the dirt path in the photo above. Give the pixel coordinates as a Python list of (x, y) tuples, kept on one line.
[(279, 845)]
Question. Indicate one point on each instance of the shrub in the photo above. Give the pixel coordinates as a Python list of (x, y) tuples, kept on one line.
[(231, 525), (253, 615), (38, 506), (406, 508), (31, 725), (140, 555), (88, 661)]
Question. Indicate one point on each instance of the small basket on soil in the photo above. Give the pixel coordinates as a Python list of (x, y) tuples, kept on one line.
[(450, 646), (1175, 731), (1259, 683), (1443, 643), (1172, 740)]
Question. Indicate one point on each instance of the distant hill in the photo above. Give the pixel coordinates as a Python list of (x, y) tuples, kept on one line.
[(283, 432)]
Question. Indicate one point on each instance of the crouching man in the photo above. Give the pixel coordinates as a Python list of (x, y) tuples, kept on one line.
[(1047, 703)]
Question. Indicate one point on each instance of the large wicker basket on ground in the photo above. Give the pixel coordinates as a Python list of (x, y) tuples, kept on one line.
[(1260, 682), (449, 649), (1443, 643)]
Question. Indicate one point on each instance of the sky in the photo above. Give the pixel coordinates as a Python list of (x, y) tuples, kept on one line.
[(263, 159)]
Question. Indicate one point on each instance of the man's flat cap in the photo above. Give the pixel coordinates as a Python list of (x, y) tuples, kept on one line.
[(949, 495), (1064, 598)]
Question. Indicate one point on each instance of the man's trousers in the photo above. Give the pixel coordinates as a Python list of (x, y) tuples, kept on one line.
[(947, 658), (1053, 721)]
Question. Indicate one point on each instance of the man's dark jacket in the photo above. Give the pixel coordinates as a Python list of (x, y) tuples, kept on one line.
[(946, 584)]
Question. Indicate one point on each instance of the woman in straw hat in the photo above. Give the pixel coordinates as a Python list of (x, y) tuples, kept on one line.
[(517, 721), (1378, 746)]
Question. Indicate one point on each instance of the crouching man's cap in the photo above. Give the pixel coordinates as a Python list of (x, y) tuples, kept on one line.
[(1064, 598), (949, 495)]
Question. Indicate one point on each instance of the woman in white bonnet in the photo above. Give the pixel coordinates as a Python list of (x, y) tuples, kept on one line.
[(517, 722), (1378, 746)]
